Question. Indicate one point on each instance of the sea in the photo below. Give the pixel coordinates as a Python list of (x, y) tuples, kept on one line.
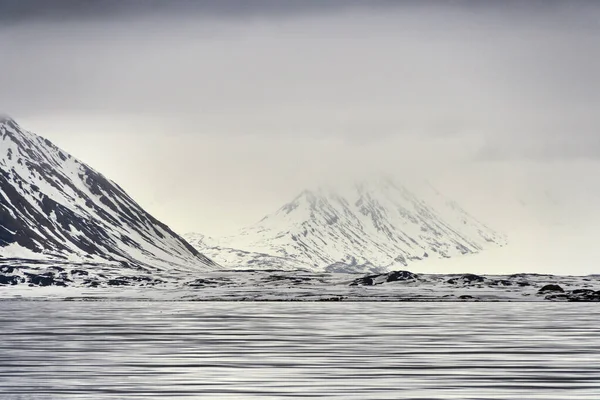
[(305, 350)]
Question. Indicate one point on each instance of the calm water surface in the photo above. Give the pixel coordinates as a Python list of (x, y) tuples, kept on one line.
[(124, 350)]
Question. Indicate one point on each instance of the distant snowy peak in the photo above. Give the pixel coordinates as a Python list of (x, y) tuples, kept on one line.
[(368, 226), (52, 206)]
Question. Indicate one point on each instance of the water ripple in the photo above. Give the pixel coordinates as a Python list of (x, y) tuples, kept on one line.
[(176, 350)]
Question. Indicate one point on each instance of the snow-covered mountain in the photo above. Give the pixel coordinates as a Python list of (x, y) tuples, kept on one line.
[(53, 207), (371, 226)]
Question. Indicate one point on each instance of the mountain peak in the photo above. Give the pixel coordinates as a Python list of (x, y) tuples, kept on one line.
[(52, 206), (5, 120), (369, 225)]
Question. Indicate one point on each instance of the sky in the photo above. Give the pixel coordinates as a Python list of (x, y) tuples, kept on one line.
[(212, 114)]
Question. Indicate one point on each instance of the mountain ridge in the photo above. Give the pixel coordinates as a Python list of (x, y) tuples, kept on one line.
[(370, 226), (55, 207)]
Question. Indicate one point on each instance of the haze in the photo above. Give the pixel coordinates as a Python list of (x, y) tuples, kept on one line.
[(214, 113)]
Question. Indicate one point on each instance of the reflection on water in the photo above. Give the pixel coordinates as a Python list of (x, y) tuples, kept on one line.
[(123, 350)]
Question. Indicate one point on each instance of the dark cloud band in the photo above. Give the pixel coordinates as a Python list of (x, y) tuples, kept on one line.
[(21, 11)]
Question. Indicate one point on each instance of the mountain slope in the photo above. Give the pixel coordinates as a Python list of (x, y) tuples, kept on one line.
[(54, 207), (371, 226)]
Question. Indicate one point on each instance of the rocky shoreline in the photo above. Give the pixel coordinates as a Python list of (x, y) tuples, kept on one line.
[(34, 279)]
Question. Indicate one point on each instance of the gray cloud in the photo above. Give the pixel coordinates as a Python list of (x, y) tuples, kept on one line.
[(572, 13), (23, 11), (504, 70)]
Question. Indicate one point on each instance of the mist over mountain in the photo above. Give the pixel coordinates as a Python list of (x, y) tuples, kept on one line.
[(371, 226)]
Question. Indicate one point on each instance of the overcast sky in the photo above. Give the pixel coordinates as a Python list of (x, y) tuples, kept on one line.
[(214, 113)]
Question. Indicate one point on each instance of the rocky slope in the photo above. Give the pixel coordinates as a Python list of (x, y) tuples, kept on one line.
[(277, 285), (54, 208)]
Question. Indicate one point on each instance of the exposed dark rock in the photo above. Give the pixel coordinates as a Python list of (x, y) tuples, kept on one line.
[(585, 292), (140, 279), (551, 288), (501, 282), (583, 295), (118, 282), (557, 297), (396, 276), (334, 298), (46, 279), (377, 279), (208, 282), (7, 269), (364, 281), (63, 276), (10, 279), (91, 283), (466, 279)]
